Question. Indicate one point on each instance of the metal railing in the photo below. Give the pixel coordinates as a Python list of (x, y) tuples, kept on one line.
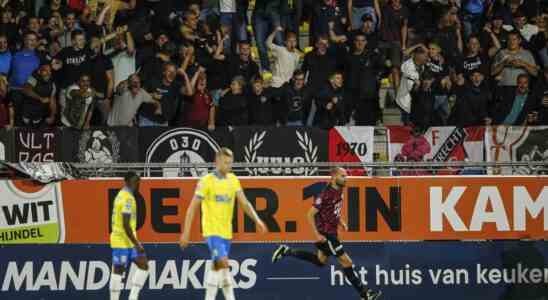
[(319, 168)]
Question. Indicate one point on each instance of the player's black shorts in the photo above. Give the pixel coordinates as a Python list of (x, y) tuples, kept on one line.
[(331, 247)]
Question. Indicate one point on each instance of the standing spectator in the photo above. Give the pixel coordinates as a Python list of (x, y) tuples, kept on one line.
[(512, 62), (123, 58), (513, 104), (324, 13), (358, 9), (232, 109), (200, 111), (71, 25), (166, 91), (286, 59), (241, 65), (102, 81), (394, 30), (295, 96), (496, 28), (261, 104), (55, 6), (422, 106), (362, 68), (319, 64), (474, 59), (267, 16), (5, 56), (234, 16), (129, 98), (473, 100), (473, 15), (73, 61), (368, 29), (330, 103), (25, 62), (438, 68), (525, 29), (449, 35), (411, 74), (8, 26), (7, 114), (39, 104), (540, 94), (78, 108)]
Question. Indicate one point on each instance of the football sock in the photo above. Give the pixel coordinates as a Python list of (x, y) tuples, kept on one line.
[(115, 286), (351, 275)]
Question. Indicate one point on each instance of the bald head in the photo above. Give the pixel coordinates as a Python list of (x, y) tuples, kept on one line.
[(338, 177)]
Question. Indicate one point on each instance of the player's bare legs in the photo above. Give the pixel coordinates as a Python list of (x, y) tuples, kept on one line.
[(137, 281), (219, 277), (139, 278)]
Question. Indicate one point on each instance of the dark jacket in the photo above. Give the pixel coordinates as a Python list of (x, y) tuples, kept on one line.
[(232, 110), (328, 118), (262, 107), (472, 105), (504, 102)]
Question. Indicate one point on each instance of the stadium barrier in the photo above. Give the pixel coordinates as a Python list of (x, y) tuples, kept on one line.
[(429, 237), (280, 145)]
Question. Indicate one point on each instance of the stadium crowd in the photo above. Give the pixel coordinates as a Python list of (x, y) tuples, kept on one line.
[(209, 63)]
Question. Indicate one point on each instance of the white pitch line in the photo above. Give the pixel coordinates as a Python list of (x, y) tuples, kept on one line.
[(293, 278)]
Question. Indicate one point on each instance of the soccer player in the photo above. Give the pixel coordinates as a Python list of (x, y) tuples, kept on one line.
[(216, 193), (325, 219), (123, 241)]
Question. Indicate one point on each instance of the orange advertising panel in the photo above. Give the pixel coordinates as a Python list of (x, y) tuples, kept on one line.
[(396, 208)]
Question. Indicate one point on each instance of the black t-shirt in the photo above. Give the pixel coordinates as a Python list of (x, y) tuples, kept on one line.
[(476, 62), (169, 101), (101, 64), (295, 100), (232, 110), (437, 68), (33, 109), (261, 108), (393, 20), (75, 63)]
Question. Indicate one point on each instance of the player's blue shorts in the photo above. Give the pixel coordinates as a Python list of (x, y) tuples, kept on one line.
[(124, 256), (218, 247)]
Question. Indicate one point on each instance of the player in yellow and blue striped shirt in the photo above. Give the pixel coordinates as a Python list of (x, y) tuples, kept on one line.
[(216, 194), (123, 241)]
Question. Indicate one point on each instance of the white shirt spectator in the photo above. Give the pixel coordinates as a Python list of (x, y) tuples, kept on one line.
[(285, 62), (125, 107), (528, 31), (410, 74), (124, 66)]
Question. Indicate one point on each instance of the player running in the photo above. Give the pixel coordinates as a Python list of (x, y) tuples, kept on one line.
[(123, 241), (216, 193), (325, 218)]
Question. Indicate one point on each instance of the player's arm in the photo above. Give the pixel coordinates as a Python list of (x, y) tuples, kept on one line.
[(311, 217), (189, 218), (129, 233), (343, 224), (250, 211)]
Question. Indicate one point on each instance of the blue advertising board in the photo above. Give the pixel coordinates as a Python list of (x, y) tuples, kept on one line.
[(498, 270)]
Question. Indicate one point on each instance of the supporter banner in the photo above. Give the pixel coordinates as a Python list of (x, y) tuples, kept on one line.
[(280, 145), (181, 145), (351, 144), (6, 145), (100, 145), (435, 144), (33, 145), (376, 209), (517, 144), (510, 270)]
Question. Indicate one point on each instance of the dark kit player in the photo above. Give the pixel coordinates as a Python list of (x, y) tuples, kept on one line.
[(325, 219)]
